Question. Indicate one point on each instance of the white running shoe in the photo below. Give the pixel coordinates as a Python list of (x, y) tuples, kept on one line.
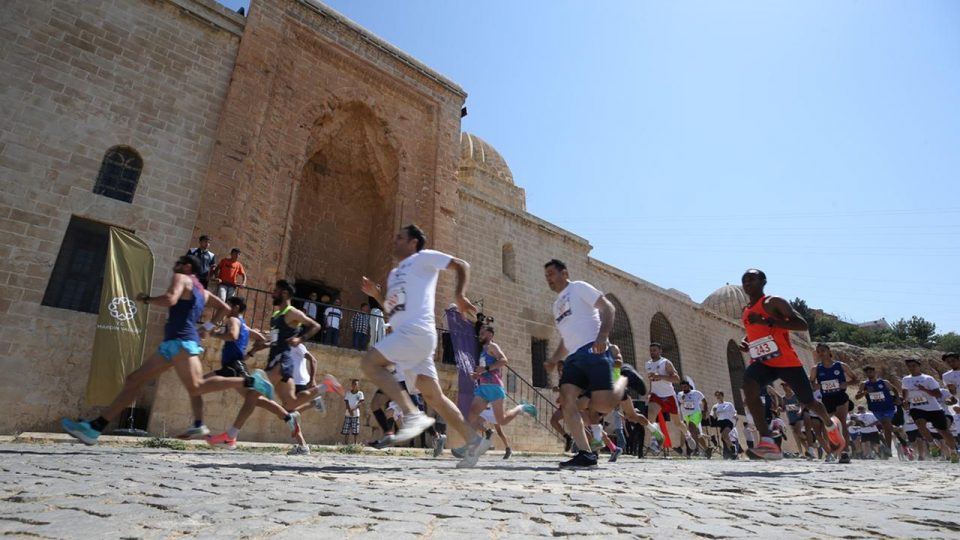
[(413, 425), (194, 433), (474, 450)]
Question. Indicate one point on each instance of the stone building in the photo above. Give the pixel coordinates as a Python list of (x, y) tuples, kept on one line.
[(296, 135)]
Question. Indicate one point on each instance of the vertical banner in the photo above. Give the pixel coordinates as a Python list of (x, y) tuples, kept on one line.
[(465, 352), (122, 324)]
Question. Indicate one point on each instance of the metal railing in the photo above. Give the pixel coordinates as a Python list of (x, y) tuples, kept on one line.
[(519, 389)]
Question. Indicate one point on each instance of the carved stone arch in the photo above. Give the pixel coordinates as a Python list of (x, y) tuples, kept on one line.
[(661, 331), (736, 368), (622, 333)]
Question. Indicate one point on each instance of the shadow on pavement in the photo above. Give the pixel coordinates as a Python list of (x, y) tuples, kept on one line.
[(51, 453), (276, 467), (762, 474)]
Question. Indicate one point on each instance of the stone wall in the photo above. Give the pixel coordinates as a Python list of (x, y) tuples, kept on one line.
[(80, 78)]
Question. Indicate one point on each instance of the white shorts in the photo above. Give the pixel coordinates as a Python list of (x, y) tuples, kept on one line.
[(488, 417), (412, 352)]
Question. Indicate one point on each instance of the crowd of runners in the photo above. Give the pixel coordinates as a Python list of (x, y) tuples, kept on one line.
[(916, 418)]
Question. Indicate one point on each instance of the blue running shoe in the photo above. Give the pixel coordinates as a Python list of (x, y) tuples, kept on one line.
[(81, 430), (459, 453), (261, 384), (529, 408)]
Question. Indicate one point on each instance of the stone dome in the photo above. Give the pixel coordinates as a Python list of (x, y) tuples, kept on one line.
[(728, 300), (475, 153)]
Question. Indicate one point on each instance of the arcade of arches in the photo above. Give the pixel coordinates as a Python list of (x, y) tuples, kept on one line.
[(661, 331)]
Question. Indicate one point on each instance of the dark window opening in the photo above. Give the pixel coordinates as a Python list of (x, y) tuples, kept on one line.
[(77, 276), (538, 355), (119, 174)]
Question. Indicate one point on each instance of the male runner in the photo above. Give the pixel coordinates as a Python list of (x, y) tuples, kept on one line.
[(833, 378), (584, 318), (663, 375), (869, 433), (922, 393), (489, 390), (726, 415), (768, 321), (409, 304), (794, 418), (636, 384), (691, 401), (180, 349), (881, 400), (951, 379)]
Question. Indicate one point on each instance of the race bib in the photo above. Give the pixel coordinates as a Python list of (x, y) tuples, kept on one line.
[(764, 349), (830, 385), (793, 407), (916, 398), (688, 406), (877, 396), (274, 335)]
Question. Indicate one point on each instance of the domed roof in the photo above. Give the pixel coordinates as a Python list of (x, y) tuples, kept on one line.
[(728, 300), (477, 153)]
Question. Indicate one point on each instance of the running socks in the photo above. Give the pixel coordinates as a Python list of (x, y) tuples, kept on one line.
[(99, 423), (233, 432)]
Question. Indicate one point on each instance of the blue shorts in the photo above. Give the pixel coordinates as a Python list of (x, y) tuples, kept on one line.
[(490, 392), (170, 348), (884, 415), (588, 371)]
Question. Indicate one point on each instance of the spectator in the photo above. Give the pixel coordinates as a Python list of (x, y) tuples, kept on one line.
[(331, 317), (361, 328), (351, 416), (207, 259), (310, 306), (377, 327), (230, 275)]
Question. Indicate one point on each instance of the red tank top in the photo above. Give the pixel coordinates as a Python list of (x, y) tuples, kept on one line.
[(768, 345)]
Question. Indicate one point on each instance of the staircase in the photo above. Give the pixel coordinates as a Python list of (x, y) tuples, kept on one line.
[(522, 390)]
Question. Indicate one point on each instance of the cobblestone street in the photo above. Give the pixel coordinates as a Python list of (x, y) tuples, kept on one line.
[(71, 491)]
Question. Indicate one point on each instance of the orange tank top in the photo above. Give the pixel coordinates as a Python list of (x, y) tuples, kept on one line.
[(768, 345)]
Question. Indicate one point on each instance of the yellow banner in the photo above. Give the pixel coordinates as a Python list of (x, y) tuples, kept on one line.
[(122, 324)]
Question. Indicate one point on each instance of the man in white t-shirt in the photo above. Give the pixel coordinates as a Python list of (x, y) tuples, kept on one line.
[(663, 375), (951, 379), (869, 430), (409, 304), (921, 393), (331, 324), (726, 417), (584, 318), (691, 407), (351, 413)]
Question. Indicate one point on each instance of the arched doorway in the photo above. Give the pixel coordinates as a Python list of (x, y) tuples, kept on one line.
[(622, 334), (661, 331), (736, 368), (343, 220)]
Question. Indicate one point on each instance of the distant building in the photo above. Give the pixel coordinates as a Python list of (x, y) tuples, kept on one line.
[(879, 324)]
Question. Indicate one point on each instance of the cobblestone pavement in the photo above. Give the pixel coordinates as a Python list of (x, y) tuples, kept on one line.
[(71, 491)]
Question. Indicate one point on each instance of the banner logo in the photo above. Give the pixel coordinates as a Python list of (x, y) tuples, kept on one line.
[(122, 308)]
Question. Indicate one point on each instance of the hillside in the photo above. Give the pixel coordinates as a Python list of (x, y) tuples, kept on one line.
[(889, 362)]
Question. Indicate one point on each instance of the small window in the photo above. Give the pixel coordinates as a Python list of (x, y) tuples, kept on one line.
[(78, 273), (538, 355), (509, 262), (119, 174)]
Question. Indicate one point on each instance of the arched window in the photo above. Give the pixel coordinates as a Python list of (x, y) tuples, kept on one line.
[(622, 334), (662, 332), (736, 369), (509, 262), (119, 174)]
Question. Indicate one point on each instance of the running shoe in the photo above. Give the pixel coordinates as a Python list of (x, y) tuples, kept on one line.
[(459, 453), (567, 442), (811, 453), (333, 385), (222, 441), (615, 454), (657, 434), (194, 433), (81, 430), (582, 460), (830, 458), (844, 458), (413, 425), (475, 449), (954, 458), (835, 435), (595, 444), (529, 408), (654, 446), (508, 452), (767, 450), (293, 422), (299, 450), (320, 406), (261, 384), (709, 452), (438, 444)]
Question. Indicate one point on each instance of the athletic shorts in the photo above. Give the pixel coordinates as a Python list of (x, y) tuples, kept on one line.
[(170, 348), (490, 392), (937, 418), (283, 359), (793, 418), (297, 388), (634, 381), (588, 371), (412, 352), (694, 418), (667, 404), (351, 425), (487, 416), (872, 437), (834, 401), (912, 436), (795, 377), (724, 424), (884, 415), (234, 368)]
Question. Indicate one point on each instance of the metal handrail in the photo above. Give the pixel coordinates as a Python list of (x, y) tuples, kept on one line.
[(545, 406)]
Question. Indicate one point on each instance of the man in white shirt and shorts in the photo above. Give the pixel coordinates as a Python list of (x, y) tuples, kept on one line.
[(409, 304)]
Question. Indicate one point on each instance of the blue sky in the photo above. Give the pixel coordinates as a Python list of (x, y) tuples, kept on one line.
[(688, 141)]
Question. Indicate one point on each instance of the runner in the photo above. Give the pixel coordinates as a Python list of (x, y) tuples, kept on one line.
[(881, 400), (410, 346), (691, 403), (768, 321), (584, 318), (869, 433), (636, 385), (725, 414), (817, 432), (489, 390), (795, 418), (833, 378), (663, 398), (488, 417), (186, 299), (922, 392), (951, 379)]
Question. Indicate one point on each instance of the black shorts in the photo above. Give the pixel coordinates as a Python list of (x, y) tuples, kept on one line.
[(792, 420), (724, 424), (297, 388), (834, 401), (588, 371), (937, 418), (235, 368), (795, 377), (873, 437), (634, 380), (912, 436), (284, 359)]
